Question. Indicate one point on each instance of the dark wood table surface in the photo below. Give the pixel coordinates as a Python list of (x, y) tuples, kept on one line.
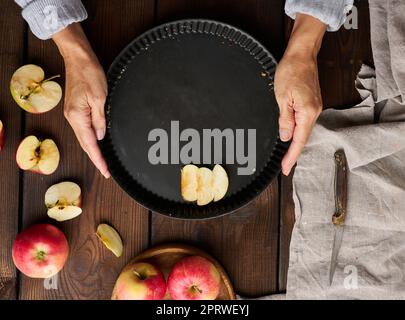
[(252, 244)]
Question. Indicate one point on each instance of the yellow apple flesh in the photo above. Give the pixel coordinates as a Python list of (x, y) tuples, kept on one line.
[(38, 156), (110, 238), (63, 201), (31, 92), (220, 182), (189, 182), (203, 185), (205, 193)]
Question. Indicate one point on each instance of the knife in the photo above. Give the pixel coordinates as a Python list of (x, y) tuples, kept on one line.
[(338, 218)]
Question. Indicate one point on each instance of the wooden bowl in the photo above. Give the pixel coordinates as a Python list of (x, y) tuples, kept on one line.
[(165, 256)]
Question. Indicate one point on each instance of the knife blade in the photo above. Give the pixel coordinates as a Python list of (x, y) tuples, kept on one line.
[(338, 218)]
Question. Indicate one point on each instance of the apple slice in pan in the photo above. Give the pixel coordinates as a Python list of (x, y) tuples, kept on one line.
[(63, 201), (32, 92), (38, 156), (205, 193), (220, 182), (189, 182), (110, 238), (203, 185), (2, 135)]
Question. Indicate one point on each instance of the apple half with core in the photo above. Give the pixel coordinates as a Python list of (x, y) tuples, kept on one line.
[(140, 281), (38, 156), (32, 91), (40, 251), (2, 135), (202, 184), (194, 278), (63, 201)]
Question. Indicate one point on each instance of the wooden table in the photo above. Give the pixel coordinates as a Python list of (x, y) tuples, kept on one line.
[(252, 244)]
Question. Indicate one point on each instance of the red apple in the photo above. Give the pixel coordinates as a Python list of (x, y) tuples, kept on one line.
[(1, 135), (40, 251), (194, 278), (140, 281)]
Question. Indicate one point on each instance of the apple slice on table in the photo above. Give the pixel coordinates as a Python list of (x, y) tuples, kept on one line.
[(63, 201), (196, 184), (220, 182), (110, 238), (32, 92), (2, 135), (38, 156), (194, 278)]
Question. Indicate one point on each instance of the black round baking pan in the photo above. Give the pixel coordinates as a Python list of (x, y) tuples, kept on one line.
[(191, 74)]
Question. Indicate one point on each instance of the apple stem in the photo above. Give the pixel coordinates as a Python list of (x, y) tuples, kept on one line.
[(41, 255), (140, 277), (37, 85), (196, 289), (51, 78)]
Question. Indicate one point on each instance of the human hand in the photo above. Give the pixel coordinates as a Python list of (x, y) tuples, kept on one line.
[(297, 87), (85, 92)]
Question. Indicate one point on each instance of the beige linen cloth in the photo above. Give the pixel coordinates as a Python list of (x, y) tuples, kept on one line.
[(371, 261)]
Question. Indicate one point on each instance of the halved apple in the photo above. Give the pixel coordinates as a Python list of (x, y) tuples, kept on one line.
[(63, 201), (38, 156), (220, 182), (189, 182), (205, 192), (32, 92), (2, 135)]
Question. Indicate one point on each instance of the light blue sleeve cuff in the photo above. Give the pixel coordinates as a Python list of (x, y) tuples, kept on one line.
[(47, 17), (330, 12)]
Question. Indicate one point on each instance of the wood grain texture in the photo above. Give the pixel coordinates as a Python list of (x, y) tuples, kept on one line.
[(263, 19), (287, 220), (91, 270), (340, 59), (11, 55), (246, 242), (252, 244), (112, 25), (167, 255)]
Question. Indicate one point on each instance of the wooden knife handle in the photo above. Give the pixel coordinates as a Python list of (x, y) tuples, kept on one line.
[(340, 188)]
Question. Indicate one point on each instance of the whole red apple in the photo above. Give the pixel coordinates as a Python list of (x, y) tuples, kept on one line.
[(40, 251), (194, 278), (140, 281)]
